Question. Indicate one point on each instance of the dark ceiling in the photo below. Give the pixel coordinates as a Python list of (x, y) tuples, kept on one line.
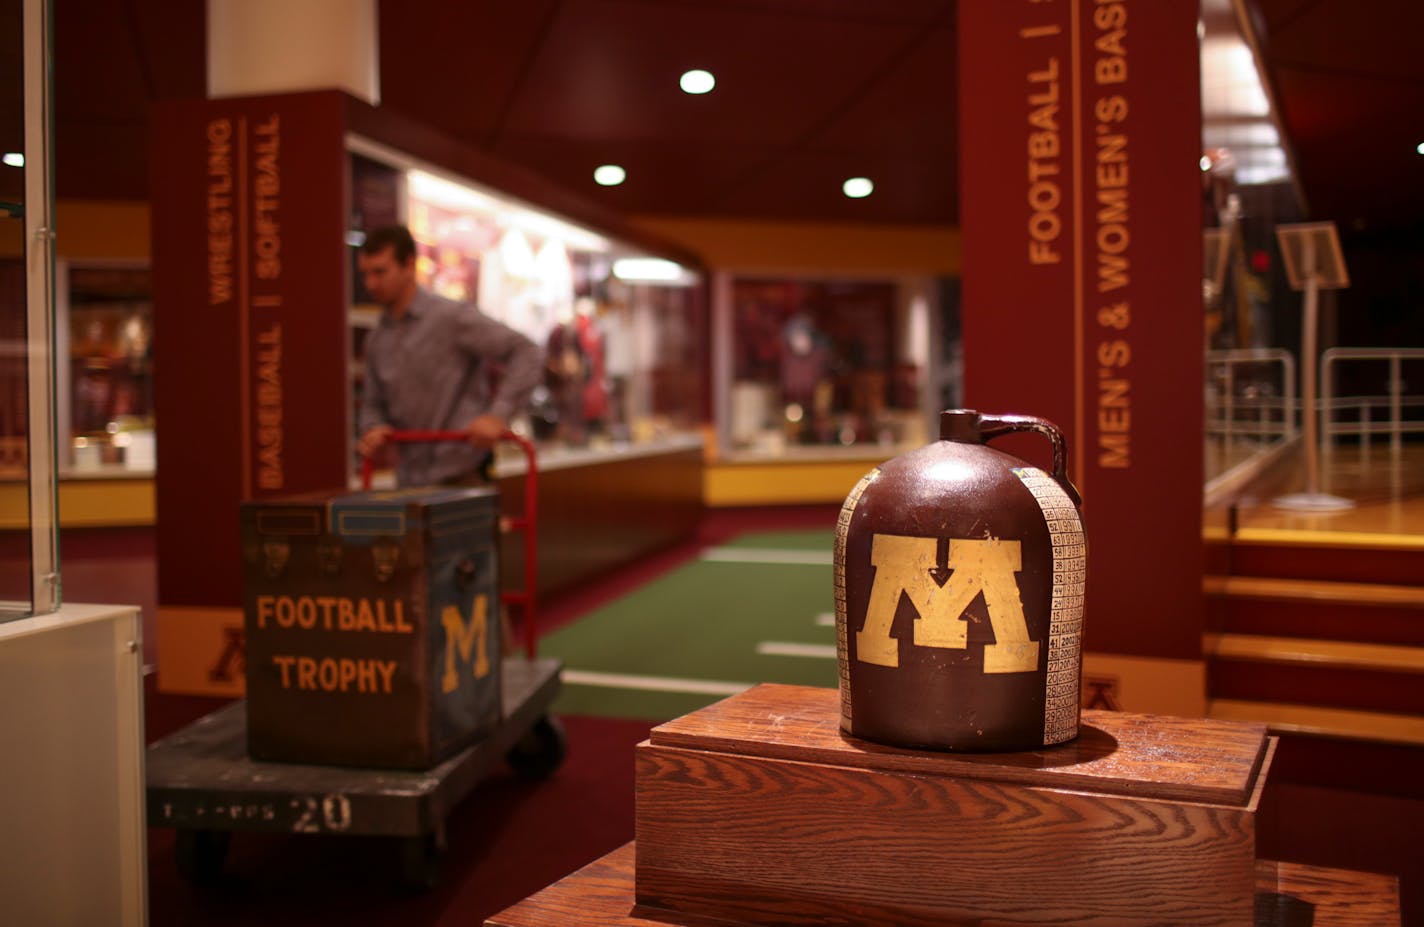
[(809, 92), (1349, 79)]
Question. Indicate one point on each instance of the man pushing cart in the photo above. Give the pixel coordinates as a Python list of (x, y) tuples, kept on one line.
[(378, 690)]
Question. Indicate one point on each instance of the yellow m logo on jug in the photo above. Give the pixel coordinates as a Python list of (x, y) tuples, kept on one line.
[(465, 638), (940, 590)]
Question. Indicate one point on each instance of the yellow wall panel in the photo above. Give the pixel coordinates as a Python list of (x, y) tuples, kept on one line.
[(781, 483), (101, 503)]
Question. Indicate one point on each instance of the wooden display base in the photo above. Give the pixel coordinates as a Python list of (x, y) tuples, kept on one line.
[(1287, 895), (759, 807), (759, 811)]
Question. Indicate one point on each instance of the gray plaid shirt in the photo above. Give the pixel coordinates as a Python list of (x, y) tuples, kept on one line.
[(432, 370)]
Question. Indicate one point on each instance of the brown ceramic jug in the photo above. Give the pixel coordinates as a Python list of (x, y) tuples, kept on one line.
[(959, 574)]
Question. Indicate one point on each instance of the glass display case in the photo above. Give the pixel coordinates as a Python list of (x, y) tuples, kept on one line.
[(1251, 316), (824, 365), (29, 549), (15, 578), (624, 334), (105, 385)]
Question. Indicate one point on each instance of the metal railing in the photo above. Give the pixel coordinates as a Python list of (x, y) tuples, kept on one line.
[(1251, 394), (1403, 412)]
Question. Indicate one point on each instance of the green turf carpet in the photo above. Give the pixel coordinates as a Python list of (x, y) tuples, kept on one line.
[(754, 610)]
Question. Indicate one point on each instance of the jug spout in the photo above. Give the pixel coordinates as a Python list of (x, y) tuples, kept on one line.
[(960, 425)]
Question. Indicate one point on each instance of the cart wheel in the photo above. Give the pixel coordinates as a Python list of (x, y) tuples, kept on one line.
[(200, 854), (422, 859), (540, 751)]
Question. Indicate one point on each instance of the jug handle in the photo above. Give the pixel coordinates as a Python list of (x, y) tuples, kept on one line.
[(992, 426)]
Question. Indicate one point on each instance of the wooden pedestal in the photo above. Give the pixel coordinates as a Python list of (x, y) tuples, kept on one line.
[(759, 811), (1287, 895)]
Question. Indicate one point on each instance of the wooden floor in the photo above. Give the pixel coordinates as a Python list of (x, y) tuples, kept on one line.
[(1387, 489)]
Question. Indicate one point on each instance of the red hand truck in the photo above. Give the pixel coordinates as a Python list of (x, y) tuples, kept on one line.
[(527, 598), (202, 783)]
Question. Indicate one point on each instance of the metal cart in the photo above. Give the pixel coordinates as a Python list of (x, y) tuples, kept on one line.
[(201, 781)]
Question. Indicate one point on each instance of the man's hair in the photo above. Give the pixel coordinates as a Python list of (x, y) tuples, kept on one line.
[(395, 237)]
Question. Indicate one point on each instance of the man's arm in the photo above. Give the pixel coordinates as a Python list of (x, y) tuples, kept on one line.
[(485, 430), (522, 368), (371, 421)]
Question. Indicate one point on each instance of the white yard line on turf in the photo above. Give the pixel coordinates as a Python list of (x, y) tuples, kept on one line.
[(767, 555), (826, 620), (792, 649), (652, 683)]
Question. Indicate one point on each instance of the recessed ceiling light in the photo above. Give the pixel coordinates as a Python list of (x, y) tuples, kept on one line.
[(609, 175), (1419, 148), (643, 268), (14, 159), (697, 81), (858, 187)]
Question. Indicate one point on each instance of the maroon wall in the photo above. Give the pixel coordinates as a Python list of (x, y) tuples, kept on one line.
[(250, 335), (1080, 133)]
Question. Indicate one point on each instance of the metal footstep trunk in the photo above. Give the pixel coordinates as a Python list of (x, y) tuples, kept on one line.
[(372, 626)]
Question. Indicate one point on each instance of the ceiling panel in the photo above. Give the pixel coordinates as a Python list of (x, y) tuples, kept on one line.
[(810, 91), (12, 96), (1349, 83), (456, 65), (92, 159), (910, 106), (1379, 37), (609, 68), (807, 185), (1355, 149), (663, 177), (171, 41)]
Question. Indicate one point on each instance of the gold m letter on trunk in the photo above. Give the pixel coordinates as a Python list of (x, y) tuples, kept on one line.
[(465, 638)]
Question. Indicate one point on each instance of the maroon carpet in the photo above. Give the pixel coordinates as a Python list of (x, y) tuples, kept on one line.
[(507, 840), (1361, 810)]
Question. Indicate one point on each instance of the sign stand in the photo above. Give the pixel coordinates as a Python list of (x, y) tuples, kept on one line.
[(1313, 262)]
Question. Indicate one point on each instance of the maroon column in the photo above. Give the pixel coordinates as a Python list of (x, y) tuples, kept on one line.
[(1080, 133), (250, 299)]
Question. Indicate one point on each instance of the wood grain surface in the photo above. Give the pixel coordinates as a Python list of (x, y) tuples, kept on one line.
[(774, 841), (1120, 753), (1287, 895), (1294, 895)]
